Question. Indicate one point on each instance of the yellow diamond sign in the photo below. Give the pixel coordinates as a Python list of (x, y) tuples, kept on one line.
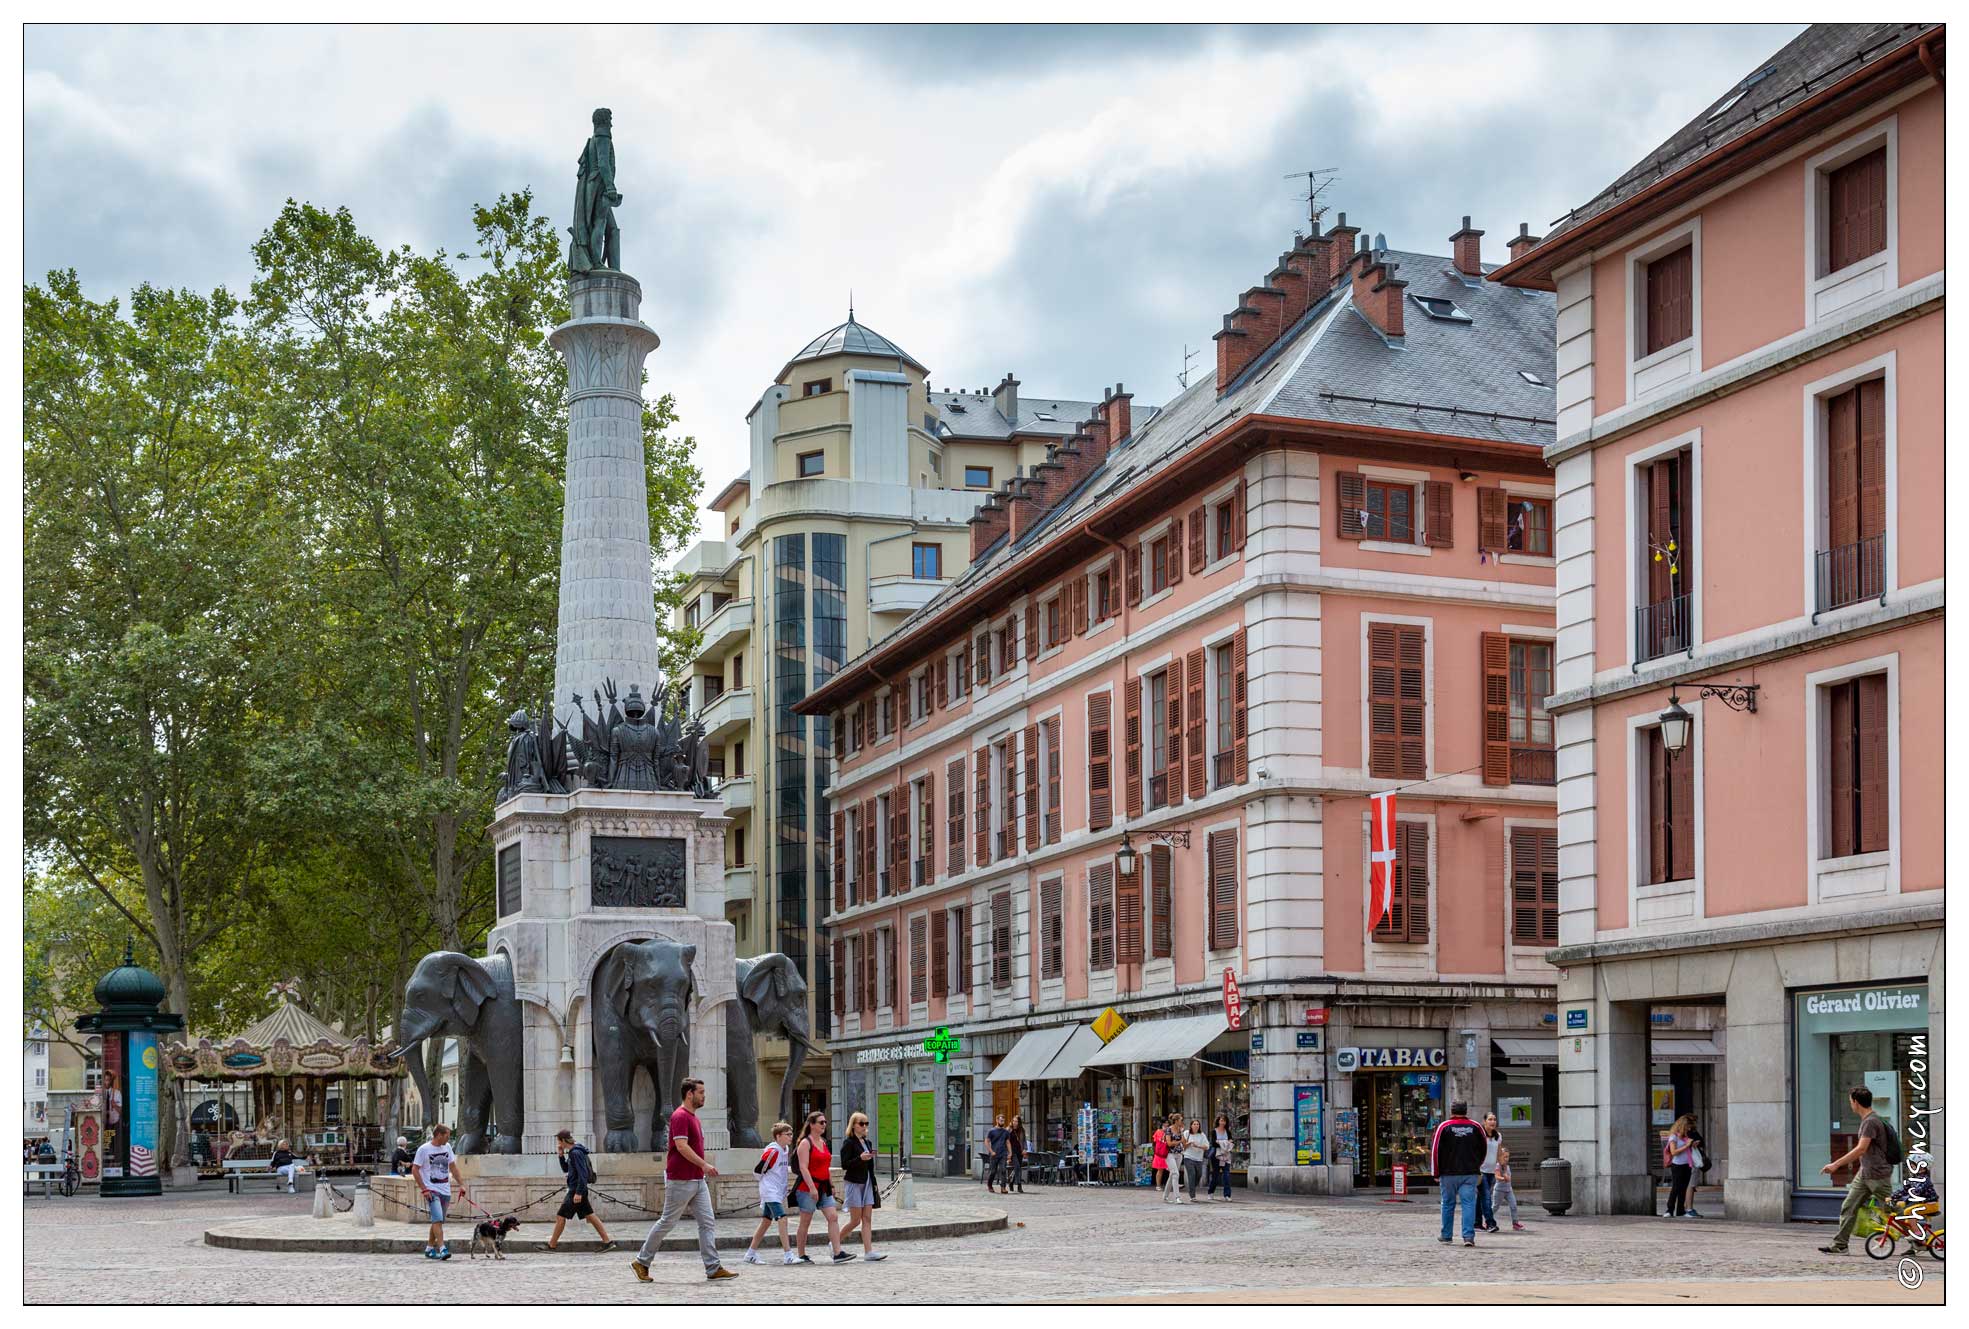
[(1109, 1023)]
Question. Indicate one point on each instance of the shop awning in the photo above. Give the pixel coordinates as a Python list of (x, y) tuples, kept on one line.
[(1030, 1055), (1684, 1049), (1160, 1040), (1533, 1050), (1071, 1059)]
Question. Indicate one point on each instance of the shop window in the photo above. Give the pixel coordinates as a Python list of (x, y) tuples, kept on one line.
[(1874, 1037)]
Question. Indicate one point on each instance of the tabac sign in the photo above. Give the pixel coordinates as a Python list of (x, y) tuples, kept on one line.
[(1233, 1001), (1389, 1059)]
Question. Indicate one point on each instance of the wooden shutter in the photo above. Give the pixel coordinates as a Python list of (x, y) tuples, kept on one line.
[(1173, 719), (899, 841), (1351, 499), (918, 973), (1161, 901), (1394, 923), (983, 658), (1032, 630), (1496, 667), (1199, 547), (1128, 915), (961, 961), (1873, 458), (1051, 958), (1243, 518), (839, 730), (926, 816), (1008, 792), (1054, 764), (1240, 726), (1396, 702), (1842, 470), (1670, 310), (1100, 916), (1001, 939), (1682, 802), (1100, 761), (1534, 886), (1856, 222), (1223, 890), (940, 952), (1438, 514), (895, 970), (1842, 769), (1413, 837), (1493, 519), (1415, 704), (1076, 605), (954, 831), (1133, 559), (1033, 826), (1131, 739), (1871, 734), (981, 833), (943, 683), (840, 977), (1194, 750), (871, 944), (840, 861), (1658, 833)]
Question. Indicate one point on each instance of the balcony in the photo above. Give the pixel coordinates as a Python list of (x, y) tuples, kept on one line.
[(1662, 629), (737, 794), (1850, 574), (738, 886), (706, 558), (727, 714), (902, 595), (726, 630), (1534, 766)]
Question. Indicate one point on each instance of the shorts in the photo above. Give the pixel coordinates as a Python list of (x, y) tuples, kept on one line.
[(772, 1209), (861, 1194), (809, 1203), (572, 1208), (437, 1204)]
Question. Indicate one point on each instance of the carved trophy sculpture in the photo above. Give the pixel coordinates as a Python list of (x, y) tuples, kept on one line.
[(597, 243), (772, 999), (632, 744), (644, 992), (455, 996)]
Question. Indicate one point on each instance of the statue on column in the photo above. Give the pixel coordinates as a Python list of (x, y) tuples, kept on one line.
[(597, 244)]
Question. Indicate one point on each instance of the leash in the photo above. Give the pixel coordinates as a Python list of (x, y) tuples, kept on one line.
[(514, 1213)]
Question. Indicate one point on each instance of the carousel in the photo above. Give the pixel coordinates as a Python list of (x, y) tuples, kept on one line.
[(288, 1077)]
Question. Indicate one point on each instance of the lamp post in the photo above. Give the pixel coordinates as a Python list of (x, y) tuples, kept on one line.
[(1674, 725)]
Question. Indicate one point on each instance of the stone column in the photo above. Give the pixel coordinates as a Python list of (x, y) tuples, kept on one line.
[(608, 607)]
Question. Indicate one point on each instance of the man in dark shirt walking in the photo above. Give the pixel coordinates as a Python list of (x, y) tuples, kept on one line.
[(580, 1176), (684, 1187), (1456, 1157)]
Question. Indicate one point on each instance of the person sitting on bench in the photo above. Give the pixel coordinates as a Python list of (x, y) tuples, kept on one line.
[(284, 1164)]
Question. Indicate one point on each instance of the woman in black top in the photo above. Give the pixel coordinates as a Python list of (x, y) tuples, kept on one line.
[(1017, 1140), (283, 1164), (858, 1170)]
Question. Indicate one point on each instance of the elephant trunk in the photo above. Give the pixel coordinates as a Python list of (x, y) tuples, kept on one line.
[(797, 1049), (418, 1027)]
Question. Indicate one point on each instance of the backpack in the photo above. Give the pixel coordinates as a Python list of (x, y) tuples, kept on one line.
[(1890, 1144)]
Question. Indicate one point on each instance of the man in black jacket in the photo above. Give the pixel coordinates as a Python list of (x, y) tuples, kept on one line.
[(1456, 1157), (580, 1176)]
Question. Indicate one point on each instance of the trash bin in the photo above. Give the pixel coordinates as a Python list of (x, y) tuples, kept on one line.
[(1555, 1185)]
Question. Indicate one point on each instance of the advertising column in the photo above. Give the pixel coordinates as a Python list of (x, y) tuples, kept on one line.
[(142, 1155)]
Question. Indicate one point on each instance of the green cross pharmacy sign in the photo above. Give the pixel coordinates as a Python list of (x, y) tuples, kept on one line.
[(943, 1045)]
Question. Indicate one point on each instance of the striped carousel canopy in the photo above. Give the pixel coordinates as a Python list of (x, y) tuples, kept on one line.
[(290, 1022)]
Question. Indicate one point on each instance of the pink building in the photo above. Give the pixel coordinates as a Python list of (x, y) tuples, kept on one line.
[(1128, 754), (1749, 673)]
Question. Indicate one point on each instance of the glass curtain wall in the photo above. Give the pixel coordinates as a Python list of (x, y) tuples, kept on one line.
[(830, 653), (789, 686)]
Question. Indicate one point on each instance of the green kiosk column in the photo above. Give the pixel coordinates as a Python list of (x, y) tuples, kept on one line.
[(130, 1021)]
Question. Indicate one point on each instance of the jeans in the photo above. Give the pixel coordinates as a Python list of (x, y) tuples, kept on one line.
[(1018, 1177), (1461, 1187), (679, 1196), (996, 1177), (1220, 1173), (1678, 1188), (1486, 1216), (1192, 1174), (288, 1172), (1503, 1196), (1857, 1194)]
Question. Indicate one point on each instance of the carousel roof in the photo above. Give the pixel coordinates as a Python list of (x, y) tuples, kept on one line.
[(287, 1042), (290, 1022)]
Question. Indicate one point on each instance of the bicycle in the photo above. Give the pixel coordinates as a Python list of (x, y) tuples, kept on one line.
[(1909, 1224)]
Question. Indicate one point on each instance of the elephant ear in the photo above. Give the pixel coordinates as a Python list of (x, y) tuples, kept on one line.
[(690, 974), (768, 973), (469, 987), (617, 983)]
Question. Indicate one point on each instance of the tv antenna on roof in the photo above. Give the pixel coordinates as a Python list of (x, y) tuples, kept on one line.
[(1188, 355), (1316, 182)]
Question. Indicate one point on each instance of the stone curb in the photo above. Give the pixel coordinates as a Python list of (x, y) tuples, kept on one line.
[(242, 1237)]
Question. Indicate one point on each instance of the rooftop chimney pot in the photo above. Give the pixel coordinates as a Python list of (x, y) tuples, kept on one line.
[(1465, 250)]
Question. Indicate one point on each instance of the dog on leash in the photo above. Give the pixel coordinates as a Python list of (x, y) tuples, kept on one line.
[(491, 1236)]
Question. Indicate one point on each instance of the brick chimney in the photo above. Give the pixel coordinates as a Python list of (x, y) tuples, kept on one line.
[(1115, 410), (1099, 438), (1072, 455), (1018, 503), (1340, 248), (1523, 242), (1377, 294), (987, 524), (1042, 491), (1237, 343), (1463, 250), (1006, 397)]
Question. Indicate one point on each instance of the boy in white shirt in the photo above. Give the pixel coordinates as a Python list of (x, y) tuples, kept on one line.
[(775, 1176)]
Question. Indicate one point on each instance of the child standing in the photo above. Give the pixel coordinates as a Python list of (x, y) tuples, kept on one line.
[(775, 1175), (1502, 1196)]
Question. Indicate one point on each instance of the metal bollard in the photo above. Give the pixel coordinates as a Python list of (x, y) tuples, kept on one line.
[(906, 1183), (322, 1209), (365, 1202)]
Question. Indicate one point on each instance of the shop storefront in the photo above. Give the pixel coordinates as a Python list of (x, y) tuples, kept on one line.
[(1398, 1094), (1875, 1035), (909, 1098), (1227, 1091)]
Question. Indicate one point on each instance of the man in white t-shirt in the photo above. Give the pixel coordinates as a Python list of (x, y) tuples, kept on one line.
[(432, 1167)]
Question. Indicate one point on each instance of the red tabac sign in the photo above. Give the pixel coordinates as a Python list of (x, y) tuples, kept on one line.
[(1233, 1001)]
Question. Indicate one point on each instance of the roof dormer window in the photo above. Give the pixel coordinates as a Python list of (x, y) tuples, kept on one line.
[(1442, 307)]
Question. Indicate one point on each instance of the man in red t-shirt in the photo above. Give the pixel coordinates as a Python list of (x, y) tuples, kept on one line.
[(684, 1187)]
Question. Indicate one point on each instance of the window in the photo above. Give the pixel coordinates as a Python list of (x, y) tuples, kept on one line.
[(813, 387), (977, 477), (960, 672), (1005, 760), (1100, 917), (1671, 792), (1227, 528), (1851, 562), (1221, 863), (1050, 618), (1856, 766), (1220, 663), (1665, 493), (919, 688), (812, 463), (1100, 762), (1534, 886), (738, 669), (1051, 929), (885, 714), (1158, 740), (1517, 728), (1397, 701), (737, 750), (1668, 311), (1104, 594), (1856, 210), (1407, 919), (1388, 511), (1529, 526), (1159, 565), (1001, 939), (1441, 307), (855, 728), (926, 562)]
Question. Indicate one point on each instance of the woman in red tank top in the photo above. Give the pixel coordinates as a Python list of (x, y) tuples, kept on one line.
[(813, 1164)]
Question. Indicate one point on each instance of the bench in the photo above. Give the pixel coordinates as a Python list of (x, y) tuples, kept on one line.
[(46, 1173), (240, 1171)]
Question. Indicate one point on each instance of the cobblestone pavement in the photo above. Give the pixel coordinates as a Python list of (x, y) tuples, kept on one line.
[(1065, 1244)]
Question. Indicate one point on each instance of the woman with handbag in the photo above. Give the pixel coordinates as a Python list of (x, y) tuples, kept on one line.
[(1678, 1150), (858, 1169), (1222, 1147), (816, 1189)]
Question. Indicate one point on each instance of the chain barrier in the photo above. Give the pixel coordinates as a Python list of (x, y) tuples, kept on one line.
[(530, 1204), (343, 1203)]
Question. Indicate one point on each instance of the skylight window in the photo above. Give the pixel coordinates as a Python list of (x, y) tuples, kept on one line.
[(1740, 90), (1041, 415), (1531, 378), (1442, 307)]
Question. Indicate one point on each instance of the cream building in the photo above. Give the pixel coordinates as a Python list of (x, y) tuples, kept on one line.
[(853, 514)]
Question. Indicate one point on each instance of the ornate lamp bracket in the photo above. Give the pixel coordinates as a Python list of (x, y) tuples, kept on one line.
[(1736, 696)]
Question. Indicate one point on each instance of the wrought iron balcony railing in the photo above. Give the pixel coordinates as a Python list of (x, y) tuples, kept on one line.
[(1850, 574), (1662, 629)]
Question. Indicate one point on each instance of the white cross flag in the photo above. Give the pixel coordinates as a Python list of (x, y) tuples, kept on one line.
[(1381, 856)]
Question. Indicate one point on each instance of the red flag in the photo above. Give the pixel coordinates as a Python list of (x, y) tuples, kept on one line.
[(1381, 857)]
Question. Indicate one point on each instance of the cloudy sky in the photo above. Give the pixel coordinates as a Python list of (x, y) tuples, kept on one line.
[(1075, 205)]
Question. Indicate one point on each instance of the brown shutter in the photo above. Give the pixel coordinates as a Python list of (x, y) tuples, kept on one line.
[(1394, 923), (981, 833), (983, 658), (1032, 630), (1223, 890), (926, 815), (1682, 799), (838, 730), (1076, 605), (899, 840), (1199, 547), (840, 861), (871, 857), (1100, 761), (1658, 834), (940, 952), (870, 976), (840, 977), (1496, 665), (1173, 690), (895, 971), (1493, 519), (1054, 765), (1243, 518), (1100, 916), (1174, 543), (1051, 929), (1842, 470), (1351, 498), (1384, 752), (1240, 727), (1438, 514), (918, 975), (1415, 856), (1133, 559), (1856, 196), (1873, 458), (1128, 916), (1194, 750), (1670, 310), (1415, 705), (1872, 765), (1161, 901), (1527, 854), (1661, 528), (1001, 939), (1032, 819), (1842, 769), (1131, 738), (954, 832), (943, 683), (961, 961)]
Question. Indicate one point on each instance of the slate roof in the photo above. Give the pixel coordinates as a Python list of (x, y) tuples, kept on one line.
[(976, 415), (852, 338), (1821, 55)]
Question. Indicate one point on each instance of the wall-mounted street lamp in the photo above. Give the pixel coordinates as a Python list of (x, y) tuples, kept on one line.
[(1124, 857), (1675, 725), (1675, 720)]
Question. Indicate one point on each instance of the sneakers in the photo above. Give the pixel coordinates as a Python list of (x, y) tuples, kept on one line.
[(1691, 1214), (444, 1252), (1443, 1240), (1469, 1241), (804, 1259), (1516, 1226), (642, 1271), (1833, 1250), (607, 1246), (842, 1257), (721, 1272), (877, 1255), (791, 1258), (430, 1252), (752, 1257)]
